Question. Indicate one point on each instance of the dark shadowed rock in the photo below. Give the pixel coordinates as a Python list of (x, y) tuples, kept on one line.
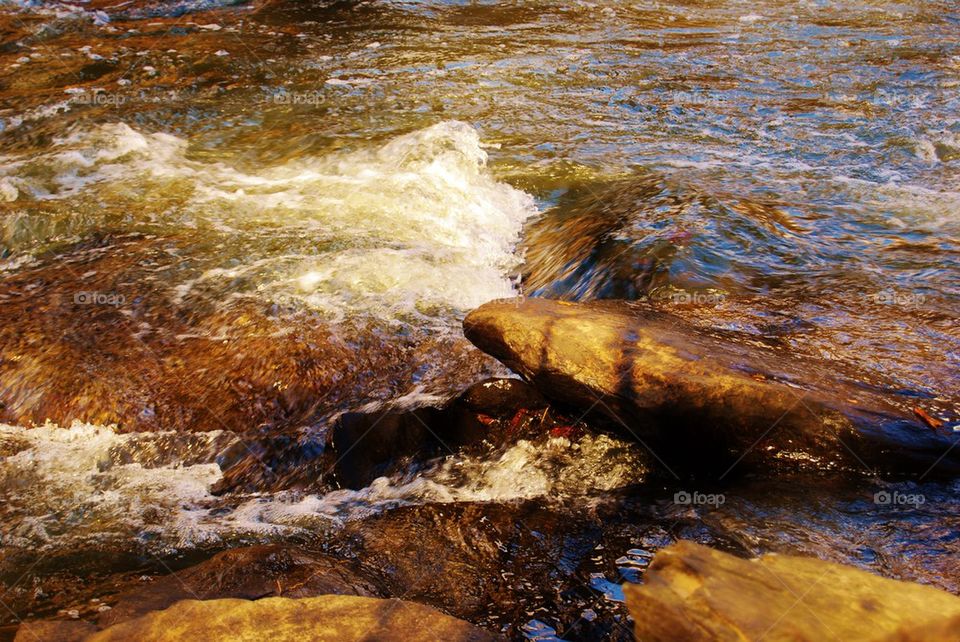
[(502, 397), (371, 445), (702, 399), (694, 593)]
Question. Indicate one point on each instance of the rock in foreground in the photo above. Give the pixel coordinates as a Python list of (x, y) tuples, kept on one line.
[(703, 399), (695, 593), (337, 618)]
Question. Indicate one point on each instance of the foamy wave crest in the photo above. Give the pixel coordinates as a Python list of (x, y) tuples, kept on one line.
[(91, 486), (88, 484), (415, 226), (554, 468)]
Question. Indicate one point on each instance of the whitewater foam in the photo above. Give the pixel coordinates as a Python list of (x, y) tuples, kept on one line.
[(415, 227), (90, 485), (86, 484), (549, 468)]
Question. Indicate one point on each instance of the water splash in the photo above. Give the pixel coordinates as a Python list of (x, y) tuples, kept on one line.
[(88, 484), (415, 227)]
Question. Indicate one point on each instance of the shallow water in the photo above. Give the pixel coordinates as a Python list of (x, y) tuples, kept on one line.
[(198, 179)]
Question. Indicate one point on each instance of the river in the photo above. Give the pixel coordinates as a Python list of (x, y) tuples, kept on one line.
[(223, 221)]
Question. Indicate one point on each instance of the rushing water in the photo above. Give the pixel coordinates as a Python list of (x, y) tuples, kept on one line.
[(346, 179)]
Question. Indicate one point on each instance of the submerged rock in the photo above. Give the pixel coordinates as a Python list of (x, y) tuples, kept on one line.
[(337, 618), (100, 333), (695, 593), (501, 564), (637, 236), (704, 400)]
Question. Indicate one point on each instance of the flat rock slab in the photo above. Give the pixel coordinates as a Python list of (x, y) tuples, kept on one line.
[(695, 593), (337, 618), (706, 401)]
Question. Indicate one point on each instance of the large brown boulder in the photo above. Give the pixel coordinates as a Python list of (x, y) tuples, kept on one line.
[(702, 399), (695, 593)]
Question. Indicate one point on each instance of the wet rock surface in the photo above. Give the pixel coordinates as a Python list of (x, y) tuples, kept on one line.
[(691, 592), (377, 444), (706, 400), (330, 617)]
